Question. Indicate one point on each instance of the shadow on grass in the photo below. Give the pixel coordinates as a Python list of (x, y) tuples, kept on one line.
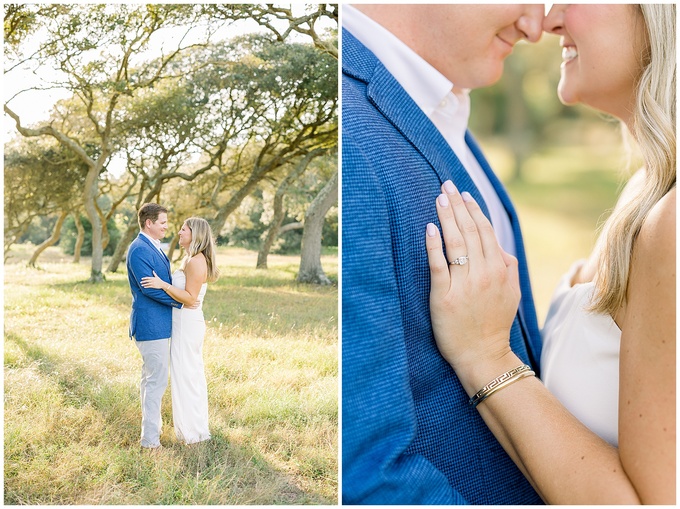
[(107, 465), (227, 303), (80, 386)]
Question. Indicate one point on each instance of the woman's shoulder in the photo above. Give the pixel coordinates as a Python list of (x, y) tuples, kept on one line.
[(652, 271), (196, 263), (197, 259), (656, 240)]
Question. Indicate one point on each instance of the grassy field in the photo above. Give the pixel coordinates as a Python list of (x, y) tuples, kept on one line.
[(72, 411)]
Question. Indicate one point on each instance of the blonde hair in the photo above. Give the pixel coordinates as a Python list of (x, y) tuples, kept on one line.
[(653, 128), (202, 241)]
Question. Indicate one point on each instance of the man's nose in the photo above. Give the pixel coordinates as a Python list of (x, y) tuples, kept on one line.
[(531, 22)]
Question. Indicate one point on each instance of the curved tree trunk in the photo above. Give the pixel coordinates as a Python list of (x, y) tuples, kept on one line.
[(91, 181), (174, 242), (56, 232), (123, 244), (106, 237), (80, 240), (14, 237), (263, 254), (310, 262), (133, 226), (273, 231), (517, 122), (279, 213), (220, 219)]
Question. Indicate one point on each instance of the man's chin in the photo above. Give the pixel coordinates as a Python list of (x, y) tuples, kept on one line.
[(491, 77)]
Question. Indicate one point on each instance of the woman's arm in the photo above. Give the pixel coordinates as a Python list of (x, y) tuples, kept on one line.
[(566, 462), (648, 362), (196, 272)]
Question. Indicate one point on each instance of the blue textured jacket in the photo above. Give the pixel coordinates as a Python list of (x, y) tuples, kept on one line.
[(409, 435), (151, 316)]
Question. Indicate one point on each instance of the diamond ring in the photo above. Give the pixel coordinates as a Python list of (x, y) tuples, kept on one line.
[(461, 260)]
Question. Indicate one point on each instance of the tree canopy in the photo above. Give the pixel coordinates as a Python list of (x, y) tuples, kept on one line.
[(162, 93)]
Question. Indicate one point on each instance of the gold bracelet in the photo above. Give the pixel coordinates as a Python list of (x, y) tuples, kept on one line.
[(507, 378)]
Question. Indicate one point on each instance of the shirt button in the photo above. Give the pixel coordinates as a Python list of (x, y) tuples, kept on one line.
[(443, 103)]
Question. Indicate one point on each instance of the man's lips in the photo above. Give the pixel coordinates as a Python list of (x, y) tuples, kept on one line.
[(508, 44)]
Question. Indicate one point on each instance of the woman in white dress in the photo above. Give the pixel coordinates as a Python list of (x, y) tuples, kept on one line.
[(602, 428), (189, 284)]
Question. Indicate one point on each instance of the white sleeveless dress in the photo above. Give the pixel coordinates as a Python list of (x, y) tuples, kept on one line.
[(187, 376), (580, 358)]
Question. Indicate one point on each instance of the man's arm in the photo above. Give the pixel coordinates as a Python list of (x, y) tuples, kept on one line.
[(378, 413), (141, 266)]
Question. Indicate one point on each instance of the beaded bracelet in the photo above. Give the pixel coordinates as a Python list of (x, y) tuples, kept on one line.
[(507, 378)]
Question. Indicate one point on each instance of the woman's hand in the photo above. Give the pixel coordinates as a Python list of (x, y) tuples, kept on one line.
[(475, 293), (154, 282)]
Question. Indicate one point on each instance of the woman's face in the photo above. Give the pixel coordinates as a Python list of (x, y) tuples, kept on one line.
[(602, 54), (185, 236)]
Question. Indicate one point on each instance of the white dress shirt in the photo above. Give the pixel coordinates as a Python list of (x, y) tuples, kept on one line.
[(433, 94), (155, 242)]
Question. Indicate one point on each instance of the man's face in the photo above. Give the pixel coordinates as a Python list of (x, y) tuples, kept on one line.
[(469, 43), (157, 229)]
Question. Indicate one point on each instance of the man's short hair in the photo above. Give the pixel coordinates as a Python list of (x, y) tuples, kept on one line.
[(150, 211)]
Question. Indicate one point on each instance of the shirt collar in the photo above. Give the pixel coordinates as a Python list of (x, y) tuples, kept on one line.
[(155, 242), (425, 84)]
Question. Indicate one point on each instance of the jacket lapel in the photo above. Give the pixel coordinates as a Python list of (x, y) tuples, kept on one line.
[(166, 259), (388, 96), (527, 310), (158, 253)]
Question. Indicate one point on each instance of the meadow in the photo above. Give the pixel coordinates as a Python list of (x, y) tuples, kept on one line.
[(71, 386)]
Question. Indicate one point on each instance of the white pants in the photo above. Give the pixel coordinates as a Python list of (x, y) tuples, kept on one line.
[(156, 360)]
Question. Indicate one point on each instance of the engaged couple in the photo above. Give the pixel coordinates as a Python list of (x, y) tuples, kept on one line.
[(451, 393), (167, 323)]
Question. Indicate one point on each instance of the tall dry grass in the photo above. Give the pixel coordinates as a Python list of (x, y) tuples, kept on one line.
[(72, 411)]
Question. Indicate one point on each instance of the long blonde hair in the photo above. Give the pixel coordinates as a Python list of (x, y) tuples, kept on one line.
[(653, 128), (202, 241)]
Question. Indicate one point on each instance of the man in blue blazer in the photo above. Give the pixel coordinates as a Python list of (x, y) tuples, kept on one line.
[(409, 435), (151, 317)]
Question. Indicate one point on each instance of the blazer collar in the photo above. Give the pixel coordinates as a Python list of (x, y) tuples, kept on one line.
[(388, 96), (158, 252)]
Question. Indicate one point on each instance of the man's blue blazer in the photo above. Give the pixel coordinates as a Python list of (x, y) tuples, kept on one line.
[(151, 316), (409, 435)]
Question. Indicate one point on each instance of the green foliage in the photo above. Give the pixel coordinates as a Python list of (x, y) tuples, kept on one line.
[(219, 115), (18, 21), (39, 230), (40, 174), (72, 412), (69, 235), (253, 220), (41, 178)]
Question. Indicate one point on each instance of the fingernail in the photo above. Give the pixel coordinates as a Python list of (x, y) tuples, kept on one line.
[(449, 187), (443, 200), (467, 196), (431, 230)]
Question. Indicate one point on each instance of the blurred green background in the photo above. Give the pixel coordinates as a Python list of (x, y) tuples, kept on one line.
[(563, 166)]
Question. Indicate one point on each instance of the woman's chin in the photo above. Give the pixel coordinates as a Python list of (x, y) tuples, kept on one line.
[(567, 97)]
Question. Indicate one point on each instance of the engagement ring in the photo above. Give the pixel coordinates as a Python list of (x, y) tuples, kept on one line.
[(461, 260)]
